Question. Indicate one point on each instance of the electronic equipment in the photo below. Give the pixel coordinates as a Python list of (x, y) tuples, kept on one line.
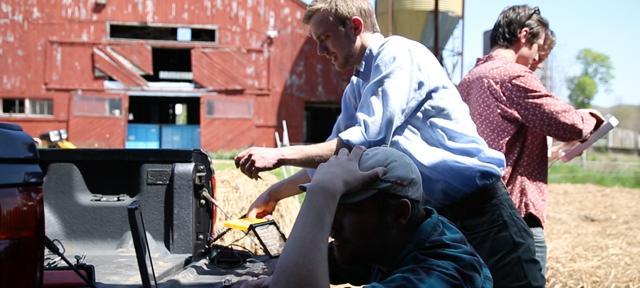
[(266, 231)]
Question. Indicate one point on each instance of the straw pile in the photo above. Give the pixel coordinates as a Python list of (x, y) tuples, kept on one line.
[(593, 236), (593, 232), (235, 192)]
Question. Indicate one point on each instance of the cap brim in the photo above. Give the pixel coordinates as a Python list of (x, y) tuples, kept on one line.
[(357, 196), (348, 198)]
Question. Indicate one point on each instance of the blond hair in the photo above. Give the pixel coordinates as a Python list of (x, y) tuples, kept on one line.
[(549, 41), (343, 10)]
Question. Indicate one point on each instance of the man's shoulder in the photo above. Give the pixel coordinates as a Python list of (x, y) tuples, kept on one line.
[(395, 43), (438, 228), (496, 70), (439, 247)]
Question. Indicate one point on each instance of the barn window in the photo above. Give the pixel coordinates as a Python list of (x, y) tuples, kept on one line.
[(229, 108), (40, 106), (13, 106), (163, 33), (85, 105), (27, 107)]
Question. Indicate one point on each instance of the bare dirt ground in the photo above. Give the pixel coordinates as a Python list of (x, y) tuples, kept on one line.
[(593, 236), (593, 232)]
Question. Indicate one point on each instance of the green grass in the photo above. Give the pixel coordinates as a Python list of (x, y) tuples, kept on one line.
[(224, 154), (601, 168), (220, 165), (610, 174), (223, 165), (602, 155)]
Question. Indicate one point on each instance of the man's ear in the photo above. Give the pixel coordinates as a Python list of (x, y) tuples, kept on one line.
[(403, 211), (357, 25), (523, 34)]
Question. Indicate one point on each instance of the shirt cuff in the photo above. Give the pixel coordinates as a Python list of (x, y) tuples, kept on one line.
[(310, 172), (590, 124), (353, 137)]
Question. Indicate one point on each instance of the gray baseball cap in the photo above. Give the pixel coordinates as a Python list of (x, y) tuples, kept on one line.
[(401, 178)]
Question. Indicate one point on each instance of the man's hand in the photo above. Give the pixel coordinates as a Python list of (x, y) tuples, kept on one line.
[(262, 206), (256, 159), (266, 202), (341, 174), (558, 149)]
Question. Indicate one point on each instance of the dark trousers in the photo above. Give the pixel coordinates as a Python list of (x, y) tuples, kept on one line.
[(494, 228)]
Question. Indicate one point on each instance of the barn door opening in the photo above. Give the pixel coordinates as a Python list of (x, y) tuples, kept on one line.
[(163, 122)]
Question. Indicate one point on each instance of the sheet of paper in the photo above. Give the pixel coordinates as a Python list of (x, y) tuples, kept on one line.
[(570, 153)]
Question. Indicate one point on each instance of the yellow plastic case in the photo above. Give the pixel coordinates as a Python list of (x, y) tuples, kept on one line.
[(243, 223)]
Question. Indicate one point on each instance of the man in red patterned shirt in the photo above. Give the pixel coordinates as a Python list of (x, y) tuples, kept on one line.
[(514, 112)]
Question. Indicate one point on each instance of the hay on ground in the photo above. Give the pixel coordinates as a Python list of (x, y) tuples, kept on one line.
[(593, 236), (592, 232), (235, 192)]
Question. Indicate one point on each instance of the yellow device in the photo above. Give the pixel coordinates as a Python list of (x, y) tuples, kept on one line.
[(267, 231), (243, 223)]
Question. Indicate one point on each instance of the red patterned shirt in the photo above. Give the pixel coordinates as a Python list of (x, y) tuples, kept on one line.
[(514, 114)]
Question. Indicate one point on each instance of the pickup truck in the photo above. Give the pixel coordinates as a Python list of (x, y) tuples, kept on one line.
[(79, 200)]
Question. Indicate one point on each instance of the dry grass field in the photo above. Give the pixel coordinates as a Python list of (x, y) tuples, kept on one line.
[(593, 235), (593, 232), (235, 192)]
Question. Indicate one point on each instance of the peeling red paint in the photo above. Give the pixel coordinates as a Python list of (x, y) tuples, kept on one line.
[(106, 62), (139, 53), (50, 49)]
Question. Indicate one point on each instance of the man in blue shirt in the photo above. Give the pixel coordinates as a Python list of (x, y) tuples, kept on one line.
[(400, 96), (370, 203)]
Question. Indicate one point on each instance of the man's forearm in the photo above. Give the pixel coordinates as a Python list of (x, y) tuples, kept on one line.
[(304, 261), (310, 156), (289, 187)]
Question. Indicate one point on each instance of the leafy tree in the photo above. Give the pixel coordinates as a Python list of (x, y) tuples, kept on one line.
[(596, 71)]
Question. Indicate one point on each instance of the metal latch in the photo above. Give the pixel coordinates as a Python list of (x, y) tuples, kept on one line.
[(110, 198), (200, 177)]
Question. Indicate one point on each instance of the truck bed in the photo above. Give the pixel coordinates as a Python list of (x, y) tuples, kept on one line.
[(86, 192)]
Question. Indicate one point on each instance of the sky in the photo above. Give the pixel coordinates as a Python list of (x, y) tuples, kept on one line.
[(609, 27)]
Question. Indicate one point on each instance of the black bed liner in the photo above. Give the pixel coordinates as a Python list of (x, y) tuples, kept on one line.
[(87, 192)]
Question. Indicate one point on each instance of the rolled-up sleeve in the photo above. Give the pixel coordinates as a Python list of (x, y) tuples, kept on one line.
[(544, 112)]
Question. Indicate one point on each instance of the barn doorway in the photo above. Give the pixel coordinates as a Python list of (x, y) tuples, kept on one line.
[(163, 122), (318, 121)]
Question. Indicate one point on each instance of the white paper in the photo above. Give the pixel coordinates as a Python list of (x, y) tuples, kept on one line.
[(608, 125)]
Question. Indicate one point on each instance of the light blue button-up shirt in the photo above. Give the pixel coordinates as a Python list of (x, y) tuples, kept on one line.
[(400, 96)]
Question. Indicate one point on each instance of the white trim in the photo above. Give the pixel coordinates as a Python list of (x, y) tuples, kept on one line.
[(163, 25), (164, 94)]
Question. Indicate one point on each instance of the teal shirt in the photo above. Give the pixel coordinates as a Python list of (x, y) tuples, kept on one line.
[(437, 255)]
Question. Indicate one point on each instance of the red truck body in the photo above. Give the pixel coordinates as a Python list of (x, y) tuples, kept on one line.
[(21, 210)]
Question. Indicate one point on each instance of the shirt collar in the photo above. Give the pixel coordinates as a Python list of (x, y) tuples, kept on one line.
[(363, 71), (492, 56), (417, 240)]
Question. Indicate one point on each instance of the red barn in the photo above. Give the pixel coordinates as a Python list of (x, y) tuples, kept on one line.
[(216, 74)]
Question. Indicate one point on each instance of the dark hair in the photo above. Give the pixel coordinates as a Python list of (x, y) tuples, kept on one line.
[(513, 19)]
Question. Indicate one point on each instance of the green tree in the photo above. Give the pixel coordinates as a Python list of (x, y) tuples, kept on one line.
[(596, 71)]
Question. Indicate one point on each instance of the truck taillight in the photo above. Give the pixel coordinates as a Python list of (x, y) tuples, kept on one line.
[(21, 236), (21, 211)]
